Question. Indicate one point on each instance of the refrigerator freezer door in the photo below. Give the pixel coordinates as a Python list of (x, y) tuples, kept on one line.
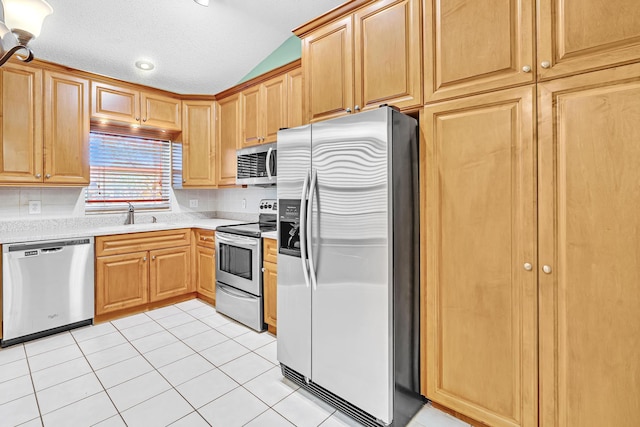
[(294, 294), (351, 307)]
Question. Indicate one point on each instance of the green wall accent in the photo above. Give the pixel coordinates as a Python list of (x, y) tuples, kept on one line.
[(288, 51)]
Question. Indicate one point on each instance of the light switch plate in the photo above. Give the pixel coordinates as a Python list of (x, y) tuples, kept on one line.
[(193, 203), (35, 207)]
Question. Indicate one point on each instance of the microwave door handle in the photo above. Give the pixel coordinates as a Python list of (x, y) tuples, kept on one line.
[(269, 162), (303, 229), (312, 268)]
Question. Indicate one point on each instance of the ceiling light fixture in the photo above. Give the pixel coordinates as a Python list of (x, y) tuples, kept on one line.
[(23, 18), (145, 65), (202, 2)]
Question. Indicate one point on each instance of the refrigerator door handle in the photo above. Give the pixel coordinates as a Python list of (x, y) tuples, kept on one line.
[(303, 229), (312, 269)]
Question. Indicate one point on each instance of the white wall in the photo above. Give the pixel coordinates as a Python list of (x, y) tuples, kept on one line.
[(69, 202)]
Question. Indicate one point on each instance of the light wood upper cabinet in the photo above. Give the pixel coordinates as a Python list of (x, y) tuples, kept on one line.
[(198, 144), (472, 47), (169, 273), (388, 54), (578, 36), (130, 106), (264, 111), (66, 129), (366, 58), (589, 199), (295, 105), (479, 225), (228, 123), (21, 124), (327, 57)]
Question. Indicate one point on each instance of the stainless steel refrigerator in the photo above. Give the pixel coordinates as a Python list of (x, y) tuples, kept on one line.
[(348, 294)]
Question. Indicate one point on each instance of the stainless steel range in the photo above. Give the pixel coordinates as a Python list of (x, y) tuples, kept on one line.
[(238, 267)]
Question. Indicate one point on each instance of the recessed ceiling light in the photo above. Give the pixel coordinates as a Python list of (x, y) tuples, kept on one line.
[(202, 2), (145, 65)]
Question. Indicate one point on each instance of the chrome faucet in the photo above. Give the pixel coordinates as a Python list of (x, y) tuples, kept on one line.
[(130, 215)]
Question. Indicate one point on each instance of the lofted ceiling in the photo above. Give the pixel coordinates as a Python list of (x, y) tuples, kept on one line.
[(195, 49)]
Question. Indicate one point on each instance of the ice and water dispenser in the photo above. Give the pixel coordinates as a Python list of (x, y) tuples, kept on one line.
[(289, 217)]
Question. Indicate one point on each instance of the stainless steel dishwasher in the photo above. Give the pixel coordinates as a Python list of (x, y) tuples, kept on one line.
[(47, 288)]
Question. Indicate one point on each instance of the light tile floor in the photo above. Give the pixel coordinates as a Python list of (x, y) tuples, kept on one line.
[(181, 365)]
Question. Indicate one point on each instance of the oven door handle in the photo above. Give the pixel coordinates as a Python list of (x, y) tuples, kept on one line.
[(312, 267), (235, 239), (234, 293), (303, 229)]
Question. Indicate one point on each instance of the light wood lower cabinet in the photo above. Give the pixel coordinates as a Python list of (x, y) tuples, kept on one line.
[(479, 226), (205, 264), (138, 269), (531, 253), (270, 283)]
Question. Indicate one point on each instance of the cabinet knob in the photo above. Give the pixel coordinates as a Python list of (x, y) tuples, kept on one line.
[(348, 110), (184, 181), (144, 120), (357, 108), (526, 68), (262, 269), (153, 258), (144, 259), (137, 119), (48, 176), (546, 269), (528, 266), (545, 64), (38, 175)]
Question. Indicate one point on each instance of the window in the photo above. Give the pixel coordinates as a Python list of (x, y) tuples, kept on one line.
[(128, 169)]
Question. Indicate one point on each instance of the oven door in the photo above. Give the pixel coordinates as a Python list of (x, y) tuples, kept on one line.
[(238, 262)]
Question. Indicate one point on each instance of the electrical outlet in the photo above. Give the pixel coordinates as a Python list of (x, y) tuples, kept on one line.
[(34, 207), (244, 203), (193, 203)]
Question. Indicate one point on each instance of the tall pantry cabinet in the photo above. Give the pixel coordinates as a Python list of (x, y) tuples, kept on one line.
[(531, 193)]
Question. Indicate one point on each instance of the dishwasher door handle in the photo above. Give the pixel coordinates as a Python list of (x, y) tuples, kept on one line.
[(50, 250)]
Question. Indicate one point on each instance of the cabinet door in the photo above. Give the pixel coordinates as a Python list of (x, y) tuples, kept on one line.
[(114, 103), (169, 273), (388, 54), (589, 199), (206, 271), (295, 105), (270, 281), (21, 124), (251, 122), (327, 55), (473, 47), (160, 111), (121, 282), (478, 228), (578, 36), (273, 107), (198, 143), (66, 129), (228, 139)]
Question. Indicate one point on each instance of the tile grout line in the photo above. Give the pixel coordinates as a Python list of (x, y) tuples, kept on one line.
[(33, 386)]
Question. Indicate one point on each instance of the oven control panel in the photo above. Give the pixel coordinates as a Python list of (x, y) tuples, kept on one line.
[(269, 206)]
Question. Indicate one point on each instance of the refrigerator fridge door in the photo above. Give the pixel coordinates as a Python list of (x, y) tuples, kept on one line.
[(294, 291), (350, 252)]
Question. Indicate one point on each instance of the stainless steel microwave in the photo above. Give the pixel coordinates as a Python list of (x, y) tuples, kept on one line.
[(257, 165)]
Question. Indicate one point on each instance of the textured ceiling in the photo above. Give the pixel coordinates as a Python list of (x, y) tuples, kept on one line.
[(195, 49)]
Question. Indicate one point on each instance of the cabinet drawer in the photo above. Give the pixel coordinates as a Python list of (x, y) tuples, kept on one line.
[(125, 243), (204, 238), (270, 250)]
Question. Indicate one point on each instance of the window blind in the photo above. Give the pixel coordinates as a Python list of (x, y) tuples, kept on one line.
[(128, 169)]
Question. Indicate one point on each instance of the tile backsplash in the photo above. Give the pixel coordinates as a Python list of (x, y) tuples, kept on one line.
[(69, 202)]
